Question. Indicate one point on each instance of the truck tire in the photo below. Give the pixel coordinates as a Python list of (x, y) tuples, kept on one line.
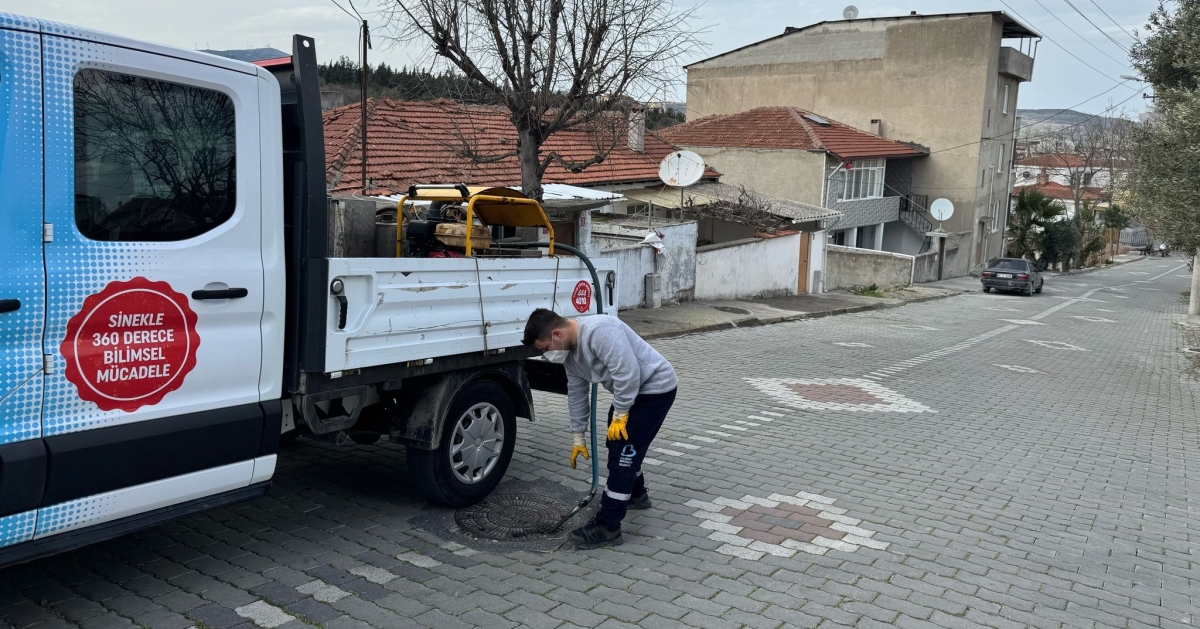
[(479, 432)]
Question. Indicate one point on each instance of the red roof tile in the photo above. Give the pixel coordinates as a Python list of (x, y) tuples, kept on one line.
[(1056, 190), (423, 142), (785, 128)]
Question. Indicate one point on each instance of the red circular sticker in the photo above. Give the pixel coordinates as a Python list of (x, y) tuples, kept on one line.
[(131, 344), (582, 297)]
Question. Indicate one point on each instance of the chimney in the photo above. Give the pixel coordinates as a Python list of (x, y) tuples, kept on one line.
[(876, 127), (912, 12), (637, 130), (1043, 177)]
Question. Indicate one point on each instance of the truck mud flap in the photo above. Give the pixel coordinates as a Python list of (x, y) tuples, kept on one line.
[(545, 376)]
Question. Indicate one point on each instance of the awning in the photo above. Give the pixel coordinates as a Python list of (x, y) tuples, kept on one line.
[(709, 193)]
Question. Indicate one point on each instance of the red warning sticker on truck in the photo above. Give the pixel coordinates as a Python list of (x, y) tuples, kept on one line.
[(131, 344), (581, 298)]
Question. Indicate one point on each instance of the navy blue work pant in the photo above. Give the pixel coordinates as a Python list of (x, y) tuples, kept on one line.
[(625, 479)]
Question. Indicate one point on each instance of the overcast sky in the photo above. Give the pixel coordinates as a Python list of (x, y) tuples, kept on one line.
[(1059, 81)]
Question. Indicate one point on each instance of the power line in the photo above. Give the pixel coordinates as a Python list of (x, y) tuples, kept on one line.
[(1048, 133), (336, 4), (1102, 31), (1063, 48), (1081, 37), (1110, 19), (1063, 111)]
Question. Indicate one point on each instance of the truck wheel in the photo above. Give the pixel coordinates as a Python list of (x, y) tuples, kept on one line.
[(478, 436)]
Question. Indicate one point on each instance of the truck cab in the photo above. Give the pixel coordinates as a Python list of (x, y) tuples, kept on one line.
[(168, 306)]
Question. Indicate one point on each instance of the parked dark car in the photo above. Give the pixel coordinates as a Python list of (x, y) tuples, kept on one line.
[(1013, 274)]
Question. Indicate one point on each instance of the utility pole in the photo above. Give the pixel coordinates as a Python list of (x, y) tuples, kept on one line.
[(366, 43)]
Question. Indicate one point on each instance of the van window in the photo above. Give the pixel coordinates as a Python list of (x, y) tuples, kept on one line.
[(154, 160)]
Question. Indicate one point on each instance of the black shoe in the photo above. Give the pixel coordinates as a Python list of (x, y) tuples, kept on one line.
[(594, 535), (640, 504)]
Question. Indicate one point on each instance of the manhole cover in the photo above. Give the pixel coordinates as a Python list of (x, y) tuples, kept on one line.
[(509, 516)]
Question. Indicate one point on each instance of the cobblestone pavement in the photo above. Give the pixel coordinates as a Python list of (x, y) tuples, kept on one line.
[(985, 460)]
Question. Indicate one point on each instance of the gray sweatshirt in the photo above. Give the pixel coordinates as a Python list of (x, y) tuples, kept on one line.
[(611, 354)]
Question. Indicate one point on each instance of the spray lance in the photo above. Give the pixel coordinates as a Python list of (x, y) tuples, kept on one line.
[(595, 388)]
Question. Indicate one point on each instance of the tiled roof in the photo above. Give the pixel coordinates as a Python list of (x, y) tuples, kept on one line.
[(785, 128), (1056, 190), (423, 142)]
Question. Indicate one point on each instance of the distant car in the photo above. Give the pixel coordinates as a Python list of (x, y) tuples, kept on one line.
[(1013, 274)]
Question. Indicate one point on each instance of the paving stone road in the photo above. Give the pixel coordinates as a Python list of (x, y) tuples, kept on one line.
[(985, 460)]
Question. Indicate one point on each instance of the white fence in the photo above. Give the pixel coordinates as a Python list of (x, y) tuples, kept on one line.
[(753, 267)]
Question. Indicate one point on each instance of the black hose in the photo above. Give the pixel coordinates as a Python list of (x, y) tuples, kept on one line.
[(595, 389)]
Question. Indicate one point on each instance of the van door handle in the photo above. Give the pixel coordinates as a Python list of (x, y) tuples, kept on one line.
[(224, 293), (10, 305)]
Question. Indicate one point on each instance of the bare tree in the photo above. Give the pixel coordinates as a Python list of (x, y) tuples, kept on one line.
[(746, 208), (553, 64)]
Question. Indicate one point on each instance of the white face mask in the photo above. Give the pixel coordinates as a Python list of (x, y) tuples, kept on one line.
[(558, 356)]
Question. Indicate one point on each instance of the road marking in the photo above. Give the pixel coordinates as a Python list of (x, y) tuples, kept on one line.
[(704, 439), (326, 593), (854, 345), (761, 419), (739, 428), (418, 560), (772, 414), (650, 461), (1057, 345), (1103, 310), (667, 452), (686, 446), (718, 433), (264, 614), (837, 394), (903, 326), (1003, 309), (378, 576), (1092, 319), (1022, 322), (1019, 368)]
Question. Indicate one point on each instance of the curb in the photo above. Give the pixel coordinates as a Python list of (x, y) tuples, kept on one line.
[(753, 322)]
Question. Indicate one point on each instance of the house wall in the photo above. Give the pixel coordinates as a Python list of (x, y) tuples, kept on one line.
[(849, 267), (676, 265), (934, 81), (790, 174), (900, 238), (754, 267), (957, 262), (897, 181)]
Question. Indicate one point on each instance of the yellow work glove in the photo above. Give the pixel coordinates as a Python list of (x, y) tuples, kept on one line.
[(616, 428), (578, 449)]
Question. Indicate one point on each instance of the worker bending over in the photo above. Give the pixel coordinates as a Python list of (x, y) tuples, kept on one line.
[(601, 349)]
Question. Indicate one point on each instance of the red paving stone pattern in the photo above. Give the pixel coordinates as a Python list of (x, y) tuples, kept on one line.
[(834, 393), (803, 523)]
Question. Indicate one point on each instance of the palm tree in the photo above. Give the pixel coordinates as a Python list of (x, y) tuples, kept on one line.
[(1033, 212)]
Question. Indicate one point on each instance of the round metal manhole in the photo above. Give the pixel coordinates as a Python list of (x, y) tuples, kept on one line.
[(511, 516)]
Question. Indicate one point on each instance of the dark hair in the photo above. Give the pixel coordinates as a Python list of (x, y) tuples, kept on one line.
[(541, 323)]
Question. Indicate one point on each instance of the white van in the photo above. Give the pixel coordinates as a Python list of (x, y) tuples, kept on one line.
[(168, 308)]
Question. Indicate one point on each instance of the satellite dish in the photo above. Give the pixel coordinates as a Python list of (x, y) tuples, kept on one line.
[(941, 210), (681, 168), (1026, 175), (850, 12)]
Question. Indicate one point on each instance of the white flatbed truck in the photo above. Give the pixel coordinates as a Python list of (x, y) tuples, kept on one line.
[(168, 307)]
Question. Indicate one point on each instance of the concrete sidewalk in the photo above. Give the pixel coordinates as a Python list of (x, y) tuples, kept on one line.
[(706, 316)]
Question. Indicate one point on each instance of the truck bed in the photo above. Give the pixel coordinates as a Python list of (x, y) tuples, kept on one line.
[(400, 310)]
